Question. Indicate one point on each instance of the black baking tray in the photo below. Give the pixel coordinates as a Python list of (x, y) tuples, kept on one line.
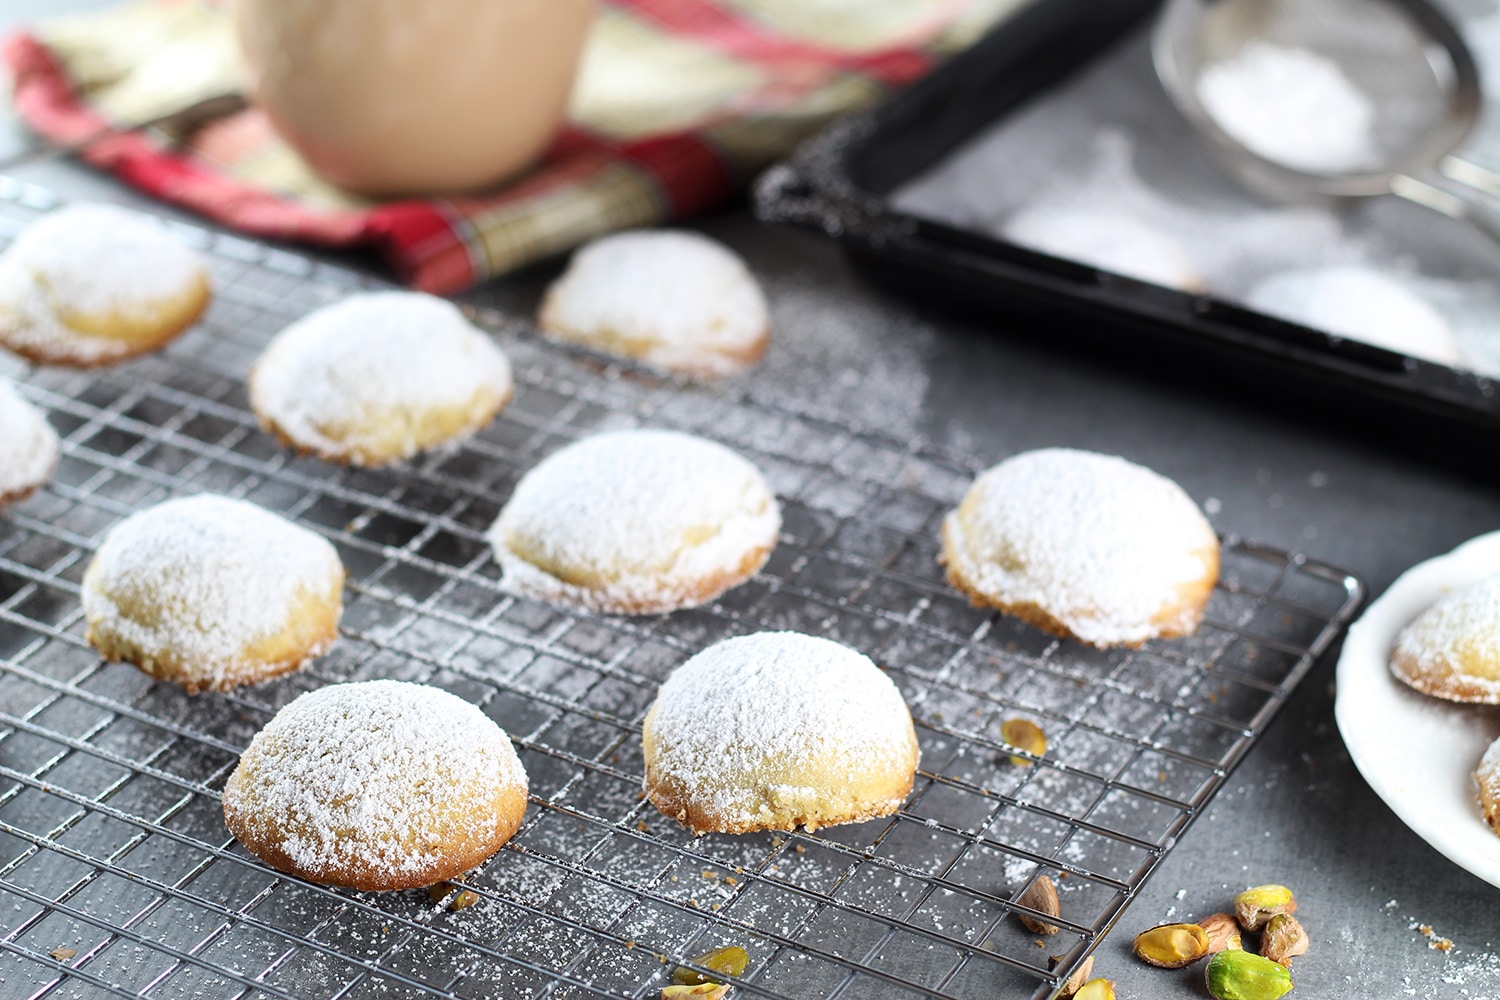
[(840, 183)]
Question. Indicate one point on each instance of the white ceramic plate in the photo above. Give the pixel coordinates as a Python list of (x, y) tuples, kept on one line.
[(1418, 752)]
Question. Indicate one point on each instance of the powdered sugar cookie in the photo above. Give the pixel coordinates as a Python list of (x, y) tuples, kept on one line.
[(1083, 545), (212, 593), (94, 284), (669, 297), (778, 730), (378, 377), (1110, 241), (1360, 303), (1452, 650), (1487, 785), (376, 785), (28, 447), (636, 522)]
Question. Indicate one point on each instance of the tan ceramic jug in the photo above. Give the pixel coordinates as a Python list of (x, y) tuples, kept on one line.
[(396, 97)]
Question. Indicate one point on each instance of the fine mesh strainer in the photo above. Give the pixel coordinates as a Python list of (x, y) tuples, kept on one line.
[(1404, 56)]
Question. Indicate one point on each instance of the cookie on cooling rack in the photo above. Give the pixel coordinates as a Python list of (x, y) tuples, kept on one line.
[(1083, 545), (92, 284), (1452, 650), (671, 298), (28, 447), (376, 785), (635, 522), (212, 593), (377, 377), (778, 730)]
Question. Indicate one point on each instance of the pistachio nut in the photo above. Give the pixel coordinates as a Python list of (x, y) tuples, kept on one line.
[(462, 899), (1078, 978), (702, 991), (1283, 939), (1096, 989), (1171, 946), (731, 960), (1253, 907), (1023, 734), (1040, 895), (1236, 974), (1223, 932)]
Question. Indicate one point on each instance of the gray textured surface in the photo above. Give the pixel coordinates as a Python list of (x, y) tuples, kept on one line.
[(1296, 811)]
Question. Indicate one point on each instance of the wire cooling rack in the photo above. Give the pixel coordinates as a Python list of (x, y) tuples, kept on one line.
[(118, 877)]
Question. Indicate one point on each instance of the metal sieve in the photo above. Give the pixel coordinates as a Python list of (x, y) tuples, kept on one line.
[(1405, 56)]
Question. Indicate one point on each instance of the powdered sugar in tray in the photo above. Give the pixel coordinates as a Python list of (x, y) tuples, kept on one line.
[(1108, 143), (350, 775), (204, 576), (28, 444)]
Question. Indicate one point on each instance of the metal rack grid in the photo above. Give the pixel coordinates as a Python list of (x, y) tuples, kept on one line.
[(118, 878)]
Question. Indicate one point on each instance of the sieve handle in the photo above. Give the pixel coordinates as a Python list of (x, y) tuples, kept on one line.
[(1464, 204), (1471, 174)]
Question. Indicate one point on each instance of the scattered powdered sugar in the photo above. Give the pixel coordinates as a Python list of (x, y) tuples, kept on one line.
[(204, 577), (28, 444), (1362, 304), (372, 776), (1293, 107), (633, 518), (780, 697), (674, 298), (1099, 543), (97, 259), (1461, 628), (1111, 241), (373, 358)]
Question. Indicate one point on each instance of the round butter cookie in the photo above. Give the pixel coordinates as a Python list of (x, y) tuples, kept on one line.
[(778, 730), (376, 785), (1109, 241), (671, 298), (1452, 650), (1083, 545), (1487, 785), (212, 593), (635, 522), (28, 447), (91, 284), (377, 377), (1363, 304)]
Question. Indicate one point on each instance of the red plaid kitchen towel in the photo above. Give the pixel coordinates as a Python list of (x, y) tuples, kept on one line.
[(679, 104)]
